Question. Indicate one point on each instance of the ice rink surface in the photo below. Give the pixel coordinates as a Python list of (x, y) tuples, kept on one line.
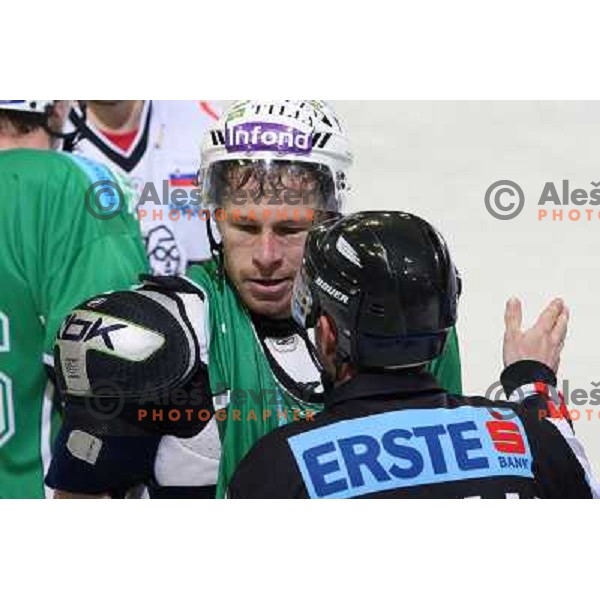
[(437, 159)]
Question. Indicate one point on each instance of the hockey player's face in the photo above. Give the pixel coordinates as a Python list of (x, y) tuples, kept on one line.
[(264, 245)]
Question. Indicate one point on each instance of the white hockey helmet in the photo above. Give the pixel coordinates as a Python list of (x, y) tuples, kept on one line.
[(31, 106), (295, 134)]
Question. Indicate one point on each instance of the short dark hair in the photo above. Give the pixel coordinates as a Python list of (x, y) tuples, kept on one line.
[(22, 122)]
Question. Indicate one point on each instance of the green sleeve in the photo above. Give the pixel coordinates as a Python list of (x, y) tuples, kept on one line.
[(446, 368), (108, 263), (83, 256)]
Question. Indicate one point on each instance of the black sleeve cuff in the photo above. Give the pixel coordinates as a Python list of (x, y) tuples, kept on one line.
[(524, 372)]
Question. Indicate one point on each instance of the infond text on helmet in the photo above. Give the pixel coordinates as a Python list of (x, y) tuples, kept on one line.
[(267, 137), (262, 136)]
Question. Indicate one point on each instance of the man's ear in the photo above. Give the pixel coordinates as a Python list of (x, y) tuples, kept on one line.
[(326, 337), (60, 110)]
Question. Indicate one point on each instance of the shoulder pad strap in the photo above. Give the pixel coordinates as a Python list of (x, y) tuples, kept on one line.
[(170, 284)]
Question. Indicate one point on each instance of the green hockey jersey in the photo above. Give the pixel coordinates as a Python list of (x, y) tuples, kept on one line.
[(54, 253)]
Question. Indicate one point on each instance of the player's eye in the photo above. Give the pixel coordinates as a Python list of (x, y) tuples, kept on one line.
[(251, 227), (292, 229)]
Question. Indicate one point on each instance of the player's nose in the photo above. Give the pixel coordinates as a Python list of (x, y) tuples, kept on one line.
[(267, 254)]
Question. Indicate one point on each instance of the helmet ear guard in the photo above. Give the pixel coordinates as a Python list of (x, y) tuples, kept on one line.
[(305, 309), (306, 305), (216, 246)]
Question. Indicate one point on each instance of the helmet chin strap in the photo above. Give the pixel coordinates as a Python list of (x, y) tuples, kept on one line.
[(216, 248), (327, 381)]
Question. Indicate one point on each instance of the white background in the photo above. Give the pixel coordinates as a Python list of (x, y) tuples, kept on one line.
[(438, 158)]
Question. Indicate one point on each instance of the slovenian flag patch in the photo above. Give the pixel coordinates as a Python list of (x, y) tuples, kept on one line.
[(182, 179)]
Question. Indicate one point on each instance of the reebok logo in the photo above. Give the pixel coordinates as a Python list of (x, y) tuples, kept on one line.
[(77, 330)]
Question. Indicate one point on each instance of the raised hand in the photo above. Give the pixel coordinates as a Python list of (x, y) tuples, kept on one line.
[(543, 342)]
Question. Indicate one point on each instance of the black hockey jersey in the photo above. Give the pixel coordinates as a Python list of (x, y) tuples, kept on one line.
[(401, 436)]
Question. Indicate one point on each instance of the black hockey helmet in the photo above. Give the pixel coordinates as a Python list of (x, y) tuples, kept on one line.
[(387, 280)]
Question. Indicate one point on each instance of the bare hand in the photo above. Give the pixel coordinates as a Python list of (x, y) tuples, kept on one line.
[(543, 342)]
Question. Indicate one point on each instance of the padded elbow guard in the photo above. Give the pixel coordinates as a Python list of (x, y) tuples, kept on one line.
[(124, 354)]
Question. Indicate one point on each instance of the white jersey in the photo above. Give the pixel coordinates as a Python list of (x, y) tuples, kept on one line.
[(162, 161), (194, 462)]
